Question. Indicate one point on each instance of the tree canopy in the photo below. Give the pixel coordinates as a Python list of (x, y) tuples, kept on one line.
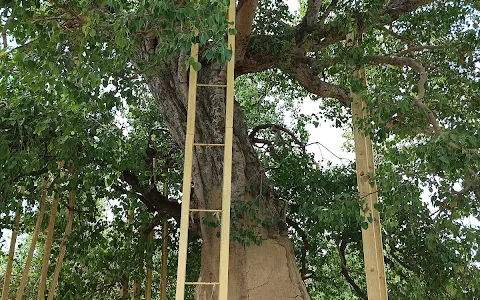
[(87, 83)]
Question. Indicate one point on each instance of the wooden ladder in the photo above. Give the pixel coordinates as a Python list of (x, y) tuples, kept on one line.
[(222, 283)]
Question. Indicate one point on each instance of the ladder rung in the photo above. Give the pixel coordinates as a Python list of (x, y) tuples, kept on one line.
[(202, 283), (206, 144), (212, 85), (204, 210)]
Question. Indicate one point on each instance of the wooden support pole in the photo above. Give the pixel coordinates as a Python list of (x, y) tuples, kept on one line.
[(373, 194), (187, 179), (227, 163), (11, 252), (38, 224), (148, 283), (163, 282), (125, 292), (63, 246), (47, 249), (137, 289), (371, 237)]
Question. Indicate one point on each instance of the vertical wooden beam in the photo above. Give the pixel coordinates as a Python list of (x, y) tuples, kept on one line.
[(63, 246), (373, 194), (11, 252), (371, 237), (125, 292), (187, 179), (48, 248), (227, 162), (38, 224), (148, 283), (163, 283), (137, 289)]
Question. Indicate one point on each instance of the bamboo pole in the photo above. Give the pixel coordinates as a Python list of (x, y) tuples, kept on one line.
[(137, 287), (26, 270), (11, 252), (227, 163), (124, 292), (371, 237), (373, 194), (48, 248), (163, 283), (63, 246), (187, 179), (148, 283)]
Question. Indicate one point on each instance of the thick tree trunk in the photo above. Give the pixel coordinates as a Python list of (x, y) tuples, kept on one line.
[(260, 272)]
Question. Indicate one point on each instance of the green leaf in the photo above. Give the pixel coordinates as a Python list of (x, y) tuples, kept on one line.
[(365, 225), (197, 66)]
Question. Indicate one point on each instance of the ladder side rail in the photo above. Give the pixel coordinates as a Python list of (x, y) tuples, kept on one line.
[(187, 179), (227, 164)]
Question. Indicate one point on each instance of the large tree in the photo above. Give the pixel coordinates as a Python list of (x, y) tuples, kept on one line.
[(72, 65)]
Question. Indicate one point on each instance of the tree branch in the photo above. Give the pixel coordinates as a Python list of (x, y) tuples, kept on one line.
[(311, 16), (275, 127), (420, 69), (244, 22), (325, 35), (343, 262), (153, 199), (329, 9), (307, 76), (394, 267), (416, 49), (306, 245), (396, 35), (395, 8)]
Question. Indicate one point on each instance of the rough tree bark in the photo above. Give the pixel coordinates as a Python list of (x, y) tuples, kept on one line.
[(262, 272)]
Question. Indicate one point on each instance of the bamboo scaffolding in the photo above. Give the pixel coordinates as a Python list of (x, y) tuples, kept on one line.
[(48, 248), (28, 263), (371, 237), (63, 246), (11, 252)]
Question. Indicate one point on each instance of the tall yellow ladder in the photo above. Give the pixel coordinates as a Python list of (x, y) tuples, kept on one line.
[(222, 284)]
